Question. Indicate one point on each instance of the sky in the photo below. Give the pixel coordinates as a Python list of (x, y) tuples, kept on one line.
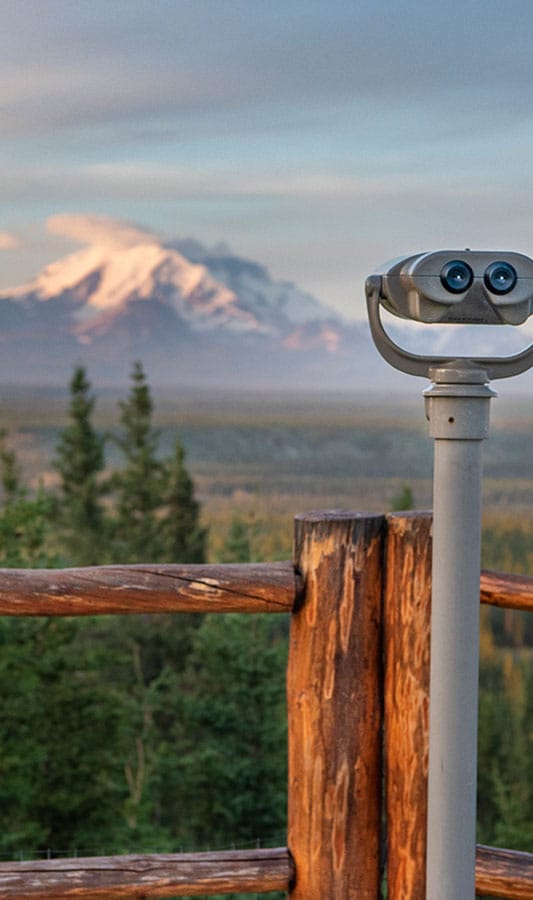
[(318, 137)]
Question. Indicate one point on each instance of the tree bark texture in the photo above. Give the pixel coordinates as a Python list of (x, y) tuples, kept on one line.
[(334, 708), (406, 632), (504, 873), (178, 875), (97, 590), (510, 591)]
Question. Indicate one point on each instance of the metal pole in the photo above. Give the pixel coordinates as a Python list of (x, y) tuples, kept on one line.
[(457, 406)]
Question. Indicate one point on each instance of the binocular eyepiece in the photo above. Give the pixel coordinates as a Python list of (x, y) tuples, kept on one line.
[(499, 277), (463, 287)]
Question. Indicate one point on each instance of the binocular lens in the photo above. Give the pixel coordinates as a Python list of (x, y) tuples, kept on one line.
[(500, 277), (456, 276)]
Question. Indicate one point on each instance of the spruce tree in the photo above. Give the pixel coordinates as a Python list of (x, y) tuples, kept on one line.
[(237, 546), (183, 536), (80, 461), (9, 471), (24, 519), (139, 485), (227, 768), (65, 732)]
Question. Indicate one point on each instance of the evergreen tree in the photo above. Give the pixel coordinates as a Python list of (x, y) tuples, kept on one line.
[(225, 771), (66, 737), (24, 520), (183, 537), (403, 500), (139, 485), (505, 749), (80, 461), (240, 545), (24, 532), (10, 471)]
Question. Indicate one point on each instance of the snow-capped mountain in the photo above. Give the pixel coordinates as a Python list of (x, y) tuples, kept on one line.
[(193, 315), (102, 284), (198, 316)]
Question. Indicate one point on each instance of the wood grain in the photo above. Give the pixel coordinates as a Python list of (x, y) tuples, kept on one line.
[(406, 627), (247, 587), (504, 873), (334, 708), (511, 591), (115, 877)]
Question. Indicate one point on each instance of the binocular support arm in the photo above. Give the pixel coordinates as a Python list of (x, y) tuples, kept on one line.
[(413, 364)]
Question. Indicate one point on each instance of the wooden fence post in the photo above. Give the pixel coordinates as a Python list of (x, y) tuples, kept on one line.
[(334, 708), (406, 626)]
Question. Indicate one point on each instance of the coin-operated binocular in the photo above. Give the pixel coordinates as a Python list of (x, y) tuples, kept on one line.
[(469, 288), (452, 287)]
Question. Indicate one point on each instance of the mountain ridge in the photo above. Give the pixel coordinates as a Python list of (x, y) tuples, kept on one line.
[(206, 319), (195, 316)]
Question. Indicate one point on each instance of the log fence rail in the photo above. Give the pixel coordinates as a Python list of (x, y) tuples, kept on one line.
[(357, 692)]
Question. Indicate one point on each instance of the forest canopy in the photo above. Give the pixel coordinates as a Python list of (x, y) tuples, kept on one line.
[(167, 733)]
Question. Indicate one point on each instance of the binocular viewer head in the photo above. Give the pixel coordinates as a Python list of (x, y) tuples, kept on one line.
[(457, 287)]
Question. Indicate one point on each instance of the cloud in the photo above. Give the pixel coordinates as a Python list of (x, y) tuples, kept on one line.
[(104, 231), (143, 61), (8, 241), (220, 181)]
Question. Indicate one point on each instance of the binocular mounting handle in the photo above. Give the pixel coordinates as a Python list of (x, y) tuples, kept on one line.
[(414, 364)]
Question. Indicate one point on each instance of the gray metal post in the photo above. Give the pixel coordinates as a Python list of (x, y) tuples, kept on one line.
[(454, 287), (457, 406)]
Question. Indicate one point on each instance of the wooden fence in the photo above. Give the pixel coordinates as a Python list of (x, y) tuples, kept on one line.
[(357, 689)]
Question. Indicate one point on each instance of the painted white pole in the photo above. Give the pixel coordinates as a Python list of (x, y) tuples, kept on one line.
[(457, 406)]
